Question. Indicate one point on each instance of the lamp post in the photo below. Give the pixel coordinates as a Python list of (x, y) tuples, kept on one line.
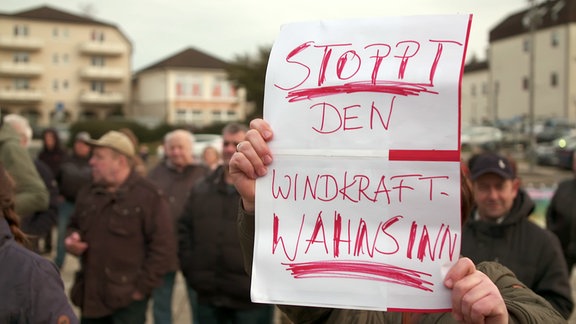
[(531, 84)]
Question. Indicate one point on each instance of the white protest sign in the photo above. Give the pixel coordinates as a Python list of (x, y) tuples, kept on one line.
[(361, 206)]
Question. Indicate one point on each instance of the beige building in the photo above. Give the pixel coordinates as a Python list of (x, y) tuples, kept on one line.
[(474, 91), (60, 67), (188, 88), (506, 95)]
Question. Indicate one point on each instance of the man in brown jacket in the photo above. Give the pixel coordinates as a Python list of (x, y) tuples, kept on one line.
[(123, 233)]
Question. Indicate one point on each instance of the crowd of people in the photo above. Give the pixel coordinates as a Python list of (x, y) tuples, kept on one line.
[(134, 227)]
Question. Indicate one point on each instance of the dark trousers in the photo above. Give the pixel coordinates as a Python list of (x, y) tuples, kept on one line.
[(208, 314), (134, 313)]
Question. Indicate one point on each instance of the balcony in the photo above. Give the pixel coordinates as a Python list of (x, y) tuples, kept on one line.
[(21, 43), (102, 48), (103, 73), (19, 95), (101, 98), (21, 69)]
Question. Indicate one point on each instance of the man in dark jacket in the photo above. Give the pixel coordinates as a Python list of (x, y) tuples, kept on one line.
[(74, 174), (499, 230), (209, 248), (561, 217), (123, 233), (175, 176)]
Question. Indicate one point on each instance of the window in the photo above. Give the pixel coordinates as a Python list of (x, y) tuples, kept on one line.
[(484, 88), (473, 90), (181, 116), (65, 84), (21, 84), (553, 79), (98, 61), (97, 86), (20, 30), (55, 32), (188, 86), (97, 36), (554, 39), (65, 58), (55, 85), (526, 45), (21, 57), (525, 83), (217, 90), (55, 58)]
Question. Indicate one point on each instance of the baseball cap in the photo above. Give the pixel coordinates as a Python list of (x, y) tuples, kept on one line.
[(491, 163), (116, 141)]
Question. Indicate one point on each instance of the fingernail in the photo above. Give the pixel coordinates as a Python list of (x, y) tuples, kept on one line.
[(448, 283), (262, 171), (267, 134), (267, 159)]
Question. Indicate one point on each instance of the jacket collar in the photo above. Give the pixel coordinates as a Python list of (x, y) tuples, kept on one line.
[(124, 187)]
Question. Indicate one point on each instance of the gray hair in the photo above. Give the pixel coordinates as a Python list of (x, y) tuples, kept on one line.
[(20, 124), (180, 132)]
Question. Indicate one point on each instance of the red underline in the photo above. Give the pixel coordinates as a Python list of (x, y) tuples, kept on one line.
[(425, 155)]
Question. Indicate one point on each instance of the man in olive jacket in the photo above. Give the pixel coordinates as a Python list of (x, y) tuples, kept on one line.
[(123, 233), (31, 194)]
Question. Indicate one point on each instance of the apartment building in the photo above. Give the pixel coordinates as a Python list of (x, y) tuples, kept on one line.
[(548, 48), (474, 92), (188, 88), (59, 67)]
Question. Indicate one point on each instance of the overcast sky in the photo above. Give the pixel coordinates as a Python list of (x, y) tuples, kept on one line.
[(225, 28)]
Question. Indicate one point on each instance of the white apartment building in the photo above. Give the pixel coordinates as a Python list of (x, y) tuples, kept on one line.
[(60, 67), (474, 92), (507, 78), (188, 88)]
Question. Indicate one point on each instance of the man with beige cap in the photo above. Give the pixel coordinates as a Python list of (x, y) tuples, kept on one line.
[(123, 234)]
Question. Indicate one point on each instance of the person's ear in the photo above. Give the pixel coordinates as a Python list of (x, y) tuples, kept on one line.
[(515, 184)]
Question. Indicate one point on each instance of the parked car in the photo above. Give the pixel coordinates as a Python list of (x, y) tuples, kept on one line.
[(565, 148), (486, 137)]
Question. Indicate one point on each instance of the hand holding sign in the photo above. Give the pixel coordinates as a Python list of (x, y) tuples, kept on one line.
[(361, 205), (474, 297), (252, 162)]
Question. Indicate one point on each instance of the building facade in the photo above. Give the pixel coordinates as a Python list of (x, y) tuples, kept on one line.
[(57, 67), (474, 92), (188, 88), (519, 51)]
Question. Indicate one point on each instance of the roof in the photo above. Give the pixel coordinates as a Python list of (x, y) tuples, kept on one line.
[(551, 13), (475, 66), (52, 14), (188, 58)]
